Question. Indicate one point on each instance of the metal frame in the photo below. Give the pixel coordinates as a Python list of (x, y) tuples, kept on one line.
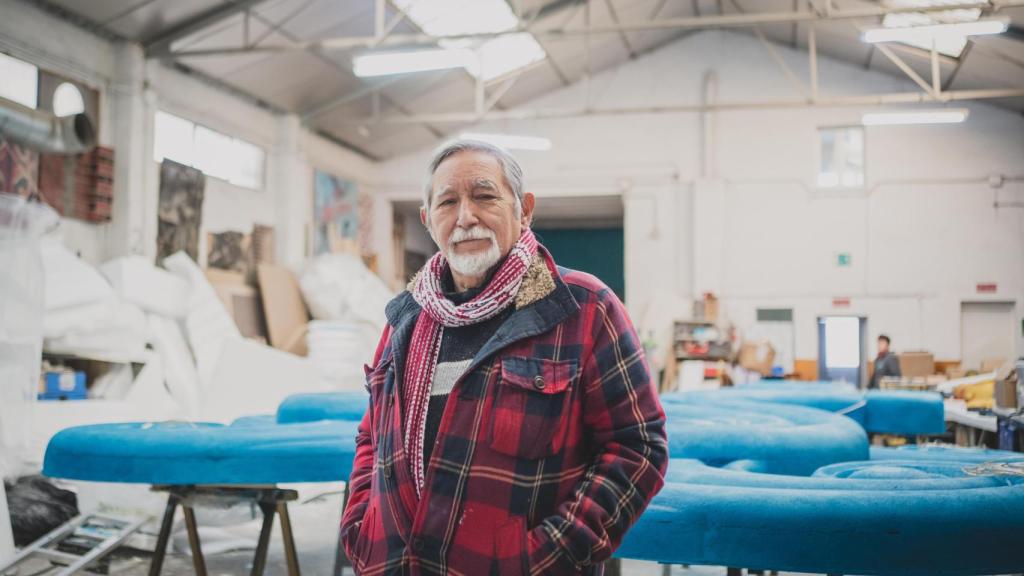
[(270, 500), (537, 114), (46, 546), (827, 13), (813, 14)]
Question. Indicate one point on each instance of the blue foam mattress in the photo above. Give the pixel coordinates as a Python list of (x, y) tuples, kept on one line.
[(905, 412), (785, 439), (906, 517), (833, 397), (188, 453), (939, 453), (323, 406)]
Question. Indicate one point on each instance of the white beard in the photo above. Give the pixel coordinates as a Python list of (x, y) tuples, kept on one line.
[(475, 264)]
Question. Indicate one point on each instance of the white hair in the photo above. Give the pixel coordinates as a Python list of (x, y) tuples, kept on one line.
[(509, 166)]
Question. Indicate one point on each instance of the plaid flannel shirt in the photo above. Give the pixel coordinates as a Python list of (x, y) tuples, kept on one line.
[(551, 445)]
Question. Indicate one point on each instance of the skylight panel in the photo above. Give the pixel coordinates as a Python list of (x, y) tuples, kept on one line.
[(948, 44), (498, 56)]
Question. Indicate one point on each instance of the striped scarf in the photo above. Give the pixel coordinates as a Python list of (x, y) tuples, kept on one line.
[(439, 312)]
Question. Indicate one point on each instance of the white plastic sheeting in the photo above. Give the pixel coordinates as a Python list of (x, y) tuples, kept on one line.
[(252, 378), (338, 350), (347, 300), (21, 307), (340, 287), (122, 333), (207, 323), (179, 368), (137, 281)]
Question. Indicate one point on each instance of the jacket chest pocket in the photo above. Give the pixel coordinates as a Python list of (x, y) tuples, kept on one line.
[(531, 406)]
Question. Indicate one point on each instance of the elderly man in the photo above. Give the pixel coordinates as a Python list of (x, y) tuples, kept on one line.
[(513, 427)]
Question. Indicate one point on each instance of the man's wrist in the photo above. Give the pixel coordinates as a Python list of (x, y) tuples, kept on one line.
[(545, 555)]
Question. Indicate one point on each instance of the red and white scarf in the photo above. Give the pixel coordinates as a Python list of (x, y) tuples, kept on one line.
[(437, 314)]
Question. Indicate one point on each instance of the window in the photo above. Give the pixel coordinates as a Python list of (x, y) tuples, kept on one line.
[(20, 81), (216, 154), (841, 154)]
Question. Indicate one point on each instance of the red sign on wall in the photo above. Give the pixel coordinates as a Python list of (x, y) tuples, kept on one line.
[(986, 288), (840, 302)]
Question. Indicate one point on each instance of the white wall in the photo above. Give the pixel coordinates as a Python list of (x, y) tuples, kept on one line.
[(751, 226)]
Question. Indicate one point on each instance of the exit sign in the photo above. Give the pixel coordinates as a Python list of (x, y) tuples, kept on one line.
[(986, 288), (843, 259), (840, 302)]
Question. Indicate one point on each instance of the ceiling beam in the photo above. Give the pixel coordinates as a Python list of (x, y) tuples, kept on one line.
[(838, 101), (714, 21), (160, 44), (959, 64)]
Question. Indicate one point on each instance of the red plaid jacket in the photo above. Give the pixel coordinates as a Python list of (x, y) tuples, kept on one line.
[(550, 447)]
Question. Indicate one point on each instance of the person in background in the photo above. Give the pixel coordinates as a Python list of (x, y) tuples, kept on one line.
[(886, 364)]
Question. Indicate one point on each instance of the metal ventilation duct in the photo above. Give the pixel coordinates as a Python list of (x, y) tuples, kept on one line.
[(45, 132)]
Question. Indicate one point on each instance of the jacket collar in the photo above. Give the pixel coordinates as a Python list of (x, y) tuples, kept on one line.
[(543, 302)]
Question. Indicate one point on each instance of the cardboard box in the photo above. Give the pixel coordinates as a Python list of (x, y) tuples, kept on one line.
[(284, 307), (757, 357), (242, 302), (914, 364), (1000, 366), (1006, 393)]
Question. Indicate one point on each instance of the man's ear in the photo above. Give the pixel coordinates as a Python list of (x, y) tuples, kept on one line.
[(423, 216), (528, 203)]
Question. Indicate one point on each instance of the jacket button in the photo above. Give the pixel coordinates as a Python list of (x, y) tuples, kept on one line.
[(417, 544), (387, 471), (538, 382)]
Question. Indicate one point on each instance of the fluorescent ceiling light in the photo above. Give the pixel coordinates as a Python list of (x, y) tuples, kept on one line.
[(497, 56), (909, 23), (943, 116), (383, 63), (510, 141)]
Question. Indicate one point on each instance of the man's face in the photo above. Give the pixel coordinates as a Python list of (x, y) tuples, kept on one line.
[(472, 213), (883, 346)]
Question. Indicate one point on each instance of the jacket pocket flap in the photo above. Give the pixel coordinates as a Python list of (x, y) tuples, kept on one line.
[(539, 375)]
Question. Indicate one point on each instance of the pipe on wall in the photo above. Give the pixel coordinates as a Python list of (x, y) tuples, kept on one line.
[(45, 132)]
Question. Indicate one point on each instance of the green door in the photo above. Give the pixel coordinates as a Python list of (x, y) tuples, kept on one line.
[(598, 251)]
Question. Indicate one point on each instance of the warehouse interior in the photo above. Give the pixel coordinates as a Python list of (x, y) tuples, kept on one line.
[(206, 206)]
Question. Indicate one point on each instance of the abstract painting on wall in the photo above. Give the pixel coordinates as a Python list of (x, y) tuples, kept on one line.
[(180, 210), (335, 214)]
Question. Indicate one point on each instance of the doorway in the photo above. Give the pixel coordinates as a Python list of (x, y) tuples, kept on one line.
[(841, 349), (987, 333)]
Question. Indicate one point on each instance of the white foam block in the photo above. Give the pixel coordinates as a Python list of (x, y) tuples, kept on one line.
[(252, 378), (149, 287)]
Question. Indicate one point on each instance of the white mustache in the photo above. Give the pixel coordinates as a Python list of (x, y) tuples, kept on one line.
[(474, 233)]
